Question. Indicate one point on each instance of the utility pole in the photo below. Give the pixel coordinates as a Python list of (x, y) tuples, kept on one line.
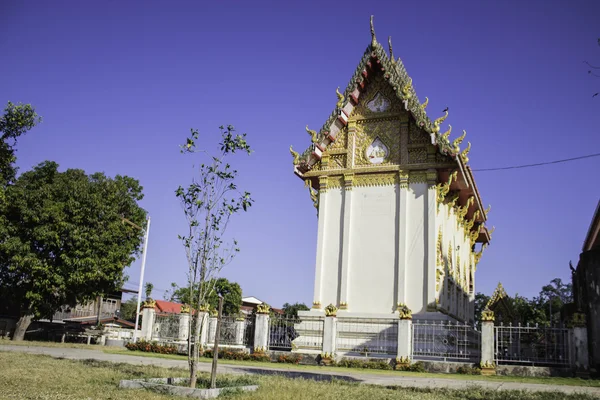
[(144, 251)]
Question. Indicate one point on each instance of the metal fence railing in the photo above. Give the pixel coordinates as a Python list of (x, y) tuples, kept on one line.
[(532, 345), (227, 334), (282, 331), (249, 325), (445, 340), (166, 327), (367, 336)]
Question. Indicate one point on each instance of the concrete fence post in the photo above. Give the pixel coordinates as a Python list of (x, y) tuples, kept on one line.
[(329, 335), (212, 329), (579, 345), (261, 332), (404, 341), (184, 326), (487, 343), (240, 324), (148, 317)]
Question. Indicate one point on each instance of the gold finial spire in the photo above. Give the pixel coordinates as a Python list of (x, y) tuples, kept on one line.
[(313, 193), (295, 155), (425, 103), (446, 134), (465, 152), (406, 89), (340, 97), (437, 122), (391, 50), (373, 38), (313, 135), (458, 141)]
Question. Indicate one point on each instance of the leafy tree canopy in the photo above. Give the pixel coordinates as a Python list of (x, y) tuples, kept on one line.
[(64, 240), (291, 310), (231, 292)]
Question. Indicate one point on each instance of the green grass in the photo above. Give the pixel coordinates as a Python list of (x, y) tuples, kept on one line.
[(338, 370), (28, 343), (27, 376)]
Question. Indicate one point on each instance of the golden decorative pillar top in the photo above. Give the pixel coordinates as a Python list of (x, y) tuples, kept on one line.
[(404, 312), (331, 311), (263, 308)]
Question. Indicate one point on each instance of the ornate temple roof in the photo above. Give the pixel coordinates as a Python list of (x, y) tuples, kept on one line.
[(375, 58)]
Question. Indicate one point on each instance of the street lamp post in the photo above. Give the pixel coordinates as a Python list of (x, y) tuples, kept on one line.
[(144, 251)]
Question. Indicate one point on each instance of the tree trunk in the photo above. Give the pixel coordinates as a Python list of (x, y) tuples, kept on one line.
[(213, 372), (193, 357), (22, 325)]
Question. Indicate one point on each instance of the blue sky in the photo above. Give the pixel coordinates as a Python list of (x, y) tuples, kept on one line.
[(119, 85)]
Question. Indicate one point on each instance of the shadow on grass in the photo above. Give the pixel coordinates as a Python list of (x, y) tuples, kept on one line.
[(315, 376)]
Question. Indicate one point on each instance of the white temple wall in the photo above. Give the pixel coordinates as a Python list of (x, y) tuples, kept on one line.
[(373, 240), (332, 247), (416, 283)]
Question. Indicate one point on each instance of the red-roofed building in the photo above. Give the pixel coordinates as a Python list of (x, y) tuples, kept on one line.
[(167, 307)]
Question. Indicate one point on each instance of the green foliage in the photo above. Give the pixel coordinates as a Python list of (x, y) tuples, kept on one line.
[(480, 302), (64, 242), (415, 367), (289, 358), (148, 289), (227, 354), (151, 347), (128, 309), (364, 364), (291, 310), (468, 370), (16, 121), (231, 292)]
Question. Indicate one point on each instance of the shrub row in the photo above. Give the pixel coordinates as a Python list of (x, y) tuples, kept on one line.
[(468, 370), (237, 355), (152, 347), (356, 363)]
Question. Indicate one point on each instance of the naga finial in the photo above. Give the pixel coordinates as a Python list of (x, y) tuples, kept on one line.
[(458, 141), (392, 59), (295, 155), (476, 215), (373, 38), (491, 231), (425, 103), (313, 193), (446, 134), (313, 134), (465, 152), (437, 122), (340, 97), (406, 89), (487, 210)]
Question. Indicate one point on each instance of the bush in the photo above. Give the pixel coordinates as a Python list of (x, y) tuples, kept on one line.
[(227, 354), (291, 359), (416, 367), (369, 364), (151, 347), (468, 370)]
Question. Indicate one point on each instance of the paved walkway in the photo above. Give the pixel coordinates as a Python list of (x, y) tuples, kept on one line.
[(373, 379)]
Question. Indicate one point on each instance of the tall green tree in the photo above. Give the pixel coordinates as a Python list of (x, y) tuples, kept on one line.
[(231, 292), (64, 240), (128, 309), (291, 310), (15, 122), (208, 203)]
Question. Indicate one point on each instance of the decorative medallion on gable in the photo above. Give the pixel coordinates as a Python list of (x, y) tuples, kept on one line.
[(377, 152), (379, 103), (377, 142)]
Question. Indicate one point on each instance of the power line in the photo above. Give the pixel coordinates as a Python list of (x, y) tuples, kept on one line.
[(538, 164)]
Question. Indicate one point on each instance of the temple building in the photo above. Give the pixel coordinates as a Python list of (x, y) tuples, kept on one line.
[(400, 219)]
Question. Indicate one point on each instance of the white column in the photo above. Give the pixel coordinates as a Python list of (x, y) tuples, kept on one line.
[(261, 332), (402, 236), (329, 335), (347, 231), (431, 238), (320, 239), (239, 331), (148, 316), (184, 326), (212, 329), (404, 340)]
